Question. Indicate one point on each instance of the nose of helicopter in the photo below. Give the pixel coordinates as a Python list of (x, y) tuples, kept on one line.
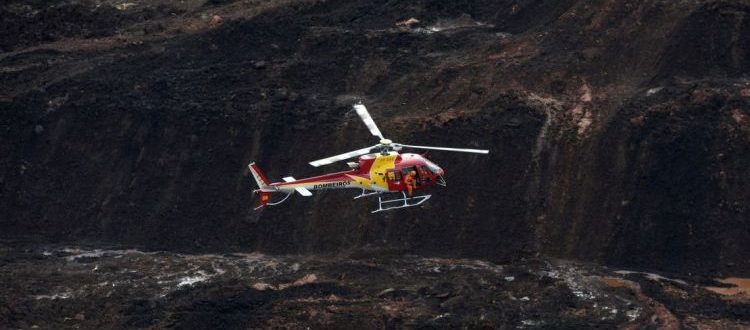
[(440, 179)]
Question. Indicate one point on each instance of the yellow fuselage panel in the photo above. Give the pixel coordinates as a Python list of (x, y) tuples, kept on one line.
[(360, 182), (380, 165)]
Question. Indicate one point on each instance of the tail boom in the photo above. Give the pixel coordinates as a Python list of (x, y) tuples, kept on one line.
[(340, 180)]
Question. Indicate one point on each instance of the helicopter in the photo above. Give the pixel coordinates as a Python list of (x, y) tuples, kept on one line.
[(380, 171)]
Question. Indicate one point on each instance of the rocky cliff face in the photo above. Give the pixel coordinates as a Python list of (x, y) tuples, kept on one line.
[(618, 130)]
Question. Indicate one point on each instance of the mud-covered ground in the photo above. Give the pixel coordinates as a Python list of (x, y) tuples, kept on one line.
[(618, 130), (52, 286), (619, 134)]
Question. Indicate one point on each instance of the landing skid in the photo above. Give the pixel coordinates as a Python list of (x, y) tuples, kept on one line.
[(400, 203)]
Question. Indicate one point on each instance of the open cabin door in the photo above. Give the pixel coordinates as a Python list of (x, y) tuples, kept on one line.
[(394, 178)]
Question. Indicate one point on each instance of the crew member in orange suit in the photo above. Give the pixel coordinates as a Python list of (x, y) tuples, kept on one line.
[(410, 182)]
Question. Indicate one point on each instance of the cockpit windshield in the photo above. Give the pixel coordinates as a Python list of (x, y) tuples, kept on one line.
[(432, 167)]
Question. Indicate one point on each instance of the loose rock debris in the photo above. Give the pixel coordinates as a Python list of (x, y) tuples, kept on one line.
[(57, 286)]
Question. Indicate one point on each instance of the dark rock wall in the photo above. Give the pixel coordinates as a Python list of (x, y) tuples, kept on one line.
[(612, 139), (665, 177)]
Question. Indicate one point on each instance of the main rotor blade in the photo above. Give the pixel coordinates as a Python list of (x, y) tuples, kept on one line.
[(476, 151), (333, 159), (362, 112)]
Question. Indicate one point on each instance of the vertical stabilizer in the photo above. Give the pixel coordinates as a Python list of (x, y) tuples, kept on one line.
[(260, 179)]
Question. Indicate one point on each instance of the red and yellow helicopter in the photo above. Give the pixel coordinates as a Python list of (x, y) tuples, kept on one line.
[(381, 171)]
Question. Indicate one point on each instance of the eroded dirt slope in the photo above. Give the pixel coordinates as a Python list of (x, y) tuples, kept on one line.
[(618, 129)]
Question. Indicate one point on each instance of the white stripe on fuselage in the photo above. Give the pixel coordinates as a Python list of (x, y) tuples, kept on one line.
[(301, 190), (355, 182)]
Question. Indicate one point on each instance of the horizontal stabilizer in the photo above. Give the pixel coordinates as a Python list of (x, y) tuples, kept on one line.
[(300, 190), (303, 192)]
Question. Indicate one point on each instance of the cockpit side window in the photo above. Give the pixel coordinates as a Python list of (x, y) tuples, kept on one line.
[(407, 169)]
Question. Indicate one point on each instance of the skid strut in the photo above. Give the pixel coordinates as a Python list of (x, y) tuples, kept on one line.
[(365, 194)]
